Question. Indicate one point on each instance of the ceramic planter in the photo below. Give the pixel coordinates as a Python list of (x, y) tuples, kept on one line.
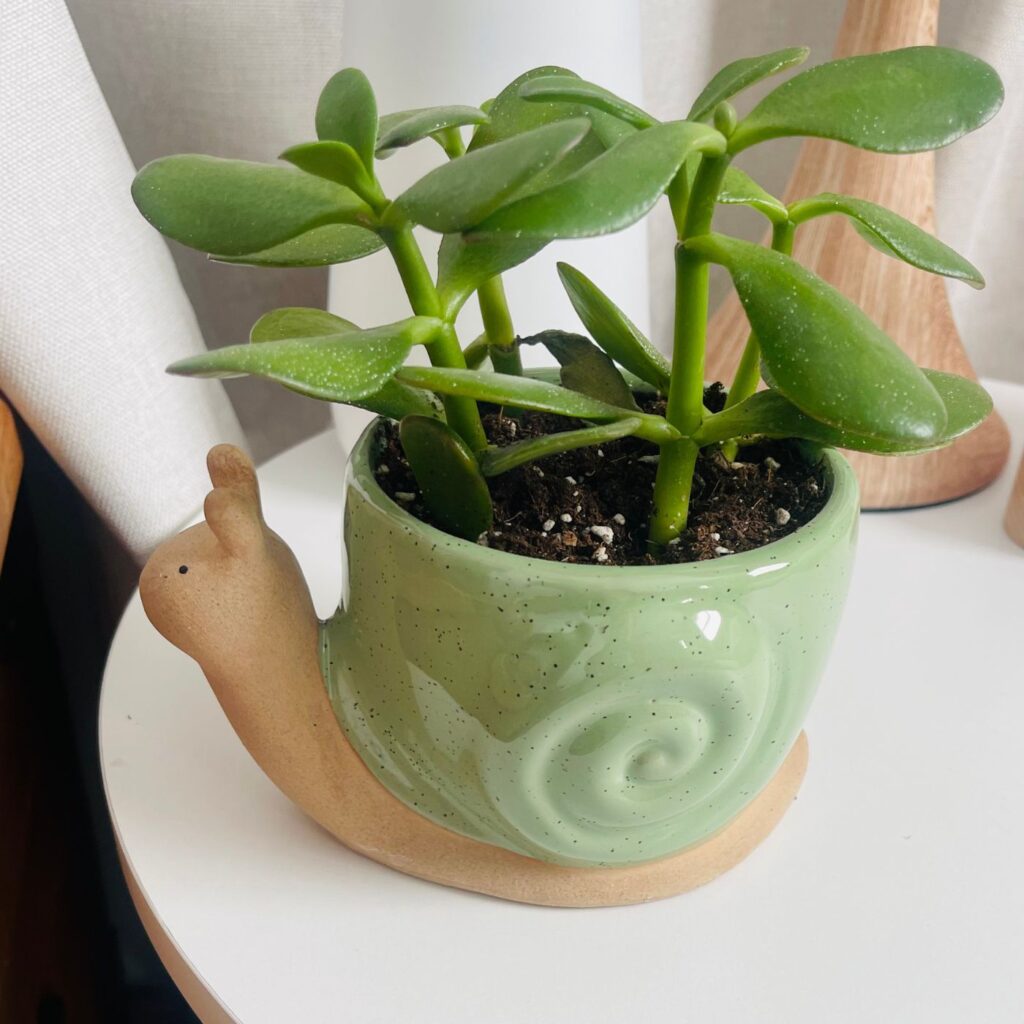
[(578, 714), (569, 735)]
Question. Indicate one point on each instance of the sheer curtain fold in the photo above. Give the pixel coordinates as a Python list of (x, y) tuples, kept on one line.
[(91, 309)]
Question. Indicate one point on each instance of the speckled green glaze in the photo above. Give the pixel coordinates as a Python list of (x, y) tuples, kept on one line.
[(575, 713)]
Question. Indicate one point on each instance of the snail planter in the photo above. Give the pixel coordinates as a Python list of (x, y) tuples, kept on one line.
[(585, 612)]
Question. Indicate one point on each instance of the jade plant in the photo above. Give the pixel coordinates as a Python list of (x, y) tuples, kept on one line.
[(557, 157)]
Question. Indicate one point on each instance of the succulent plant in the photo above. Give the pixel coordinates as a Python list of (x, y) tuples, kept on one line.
[(555, 157)]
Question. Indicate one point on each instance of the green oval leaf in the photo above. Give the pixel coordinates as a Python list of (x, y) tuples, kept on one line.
[(612, 191), (347, 112), (967, 403), (477, 351), (511, 115), (463, 264), (500, 460), (335, 161), (234, 207), (769, 414), (396, 401), (321, 247), (408, 126), (503, 389), (298, 322), (339, 367), (448, 476), (900, 101), (822, 352), (613, 330), (741, 190), (462, 192), (585, 368), (393, 400), (565, 89), (529, 393), (508, 114), (741, 74), (892, 234)]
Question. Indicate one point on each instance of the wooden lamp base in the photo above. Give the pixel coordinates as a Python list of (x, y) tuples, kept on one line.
[(1014, 521), (964, 467)]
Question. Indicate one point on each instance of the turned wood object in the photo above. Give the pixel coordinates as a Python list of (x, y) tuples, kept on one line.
[(1014, 521), (909, 304), (238, 570), (10, 473)]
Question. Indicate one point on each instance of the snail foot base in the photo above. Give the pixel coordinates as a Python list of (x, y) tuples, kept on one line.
[(480, 867)]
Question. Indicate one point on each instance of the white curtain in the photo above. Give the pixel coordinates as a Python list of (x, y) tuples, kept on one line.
[(91, 310)]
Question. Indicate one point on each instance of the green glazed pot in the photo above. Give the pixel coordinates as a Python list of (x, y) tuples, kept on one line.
[(578, 714)]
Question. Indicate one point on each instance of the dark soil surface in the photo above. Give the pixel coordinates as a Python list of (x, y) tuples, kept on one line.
[(562, 508)]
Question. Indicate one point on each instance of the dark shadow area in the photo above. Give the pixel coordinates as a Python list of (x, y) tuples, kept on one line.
[(71, 946)]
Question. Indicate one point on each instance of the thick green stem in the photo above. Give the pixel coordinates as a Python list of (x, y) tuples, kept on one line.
[(685, 407), (501, 335), (783, 234), (462, 414), (412, 269), (672, 488)]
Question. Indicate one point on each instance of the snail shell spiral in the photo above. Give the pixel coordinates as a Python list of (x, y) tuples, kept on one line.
[(615, 774)]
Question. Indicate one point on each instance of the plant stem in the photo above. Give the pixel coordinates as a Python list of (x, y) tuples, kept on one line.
[(501, 335), (412, 268), (685, 407), (501, 460), (672, 487), (462, 413)]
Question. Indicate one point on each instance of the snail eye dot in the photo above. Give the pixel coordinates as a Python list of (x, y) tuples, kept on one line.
[(183, 569)]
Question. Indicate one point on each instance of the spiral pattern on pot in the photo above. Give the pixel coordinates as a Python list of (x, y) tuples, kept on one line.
[(613, 773)]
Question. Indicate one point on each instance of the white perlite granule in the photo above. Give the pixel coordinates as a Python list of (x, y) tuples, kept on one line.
[(565, 517), (600, 554), (722, 551), (405, 496), (549, 525), (619, 518), (782, 516), (603, 533)]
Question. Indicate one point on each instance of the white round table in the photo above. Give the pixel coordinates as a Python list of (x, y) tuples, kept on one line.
[(891, 891)]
